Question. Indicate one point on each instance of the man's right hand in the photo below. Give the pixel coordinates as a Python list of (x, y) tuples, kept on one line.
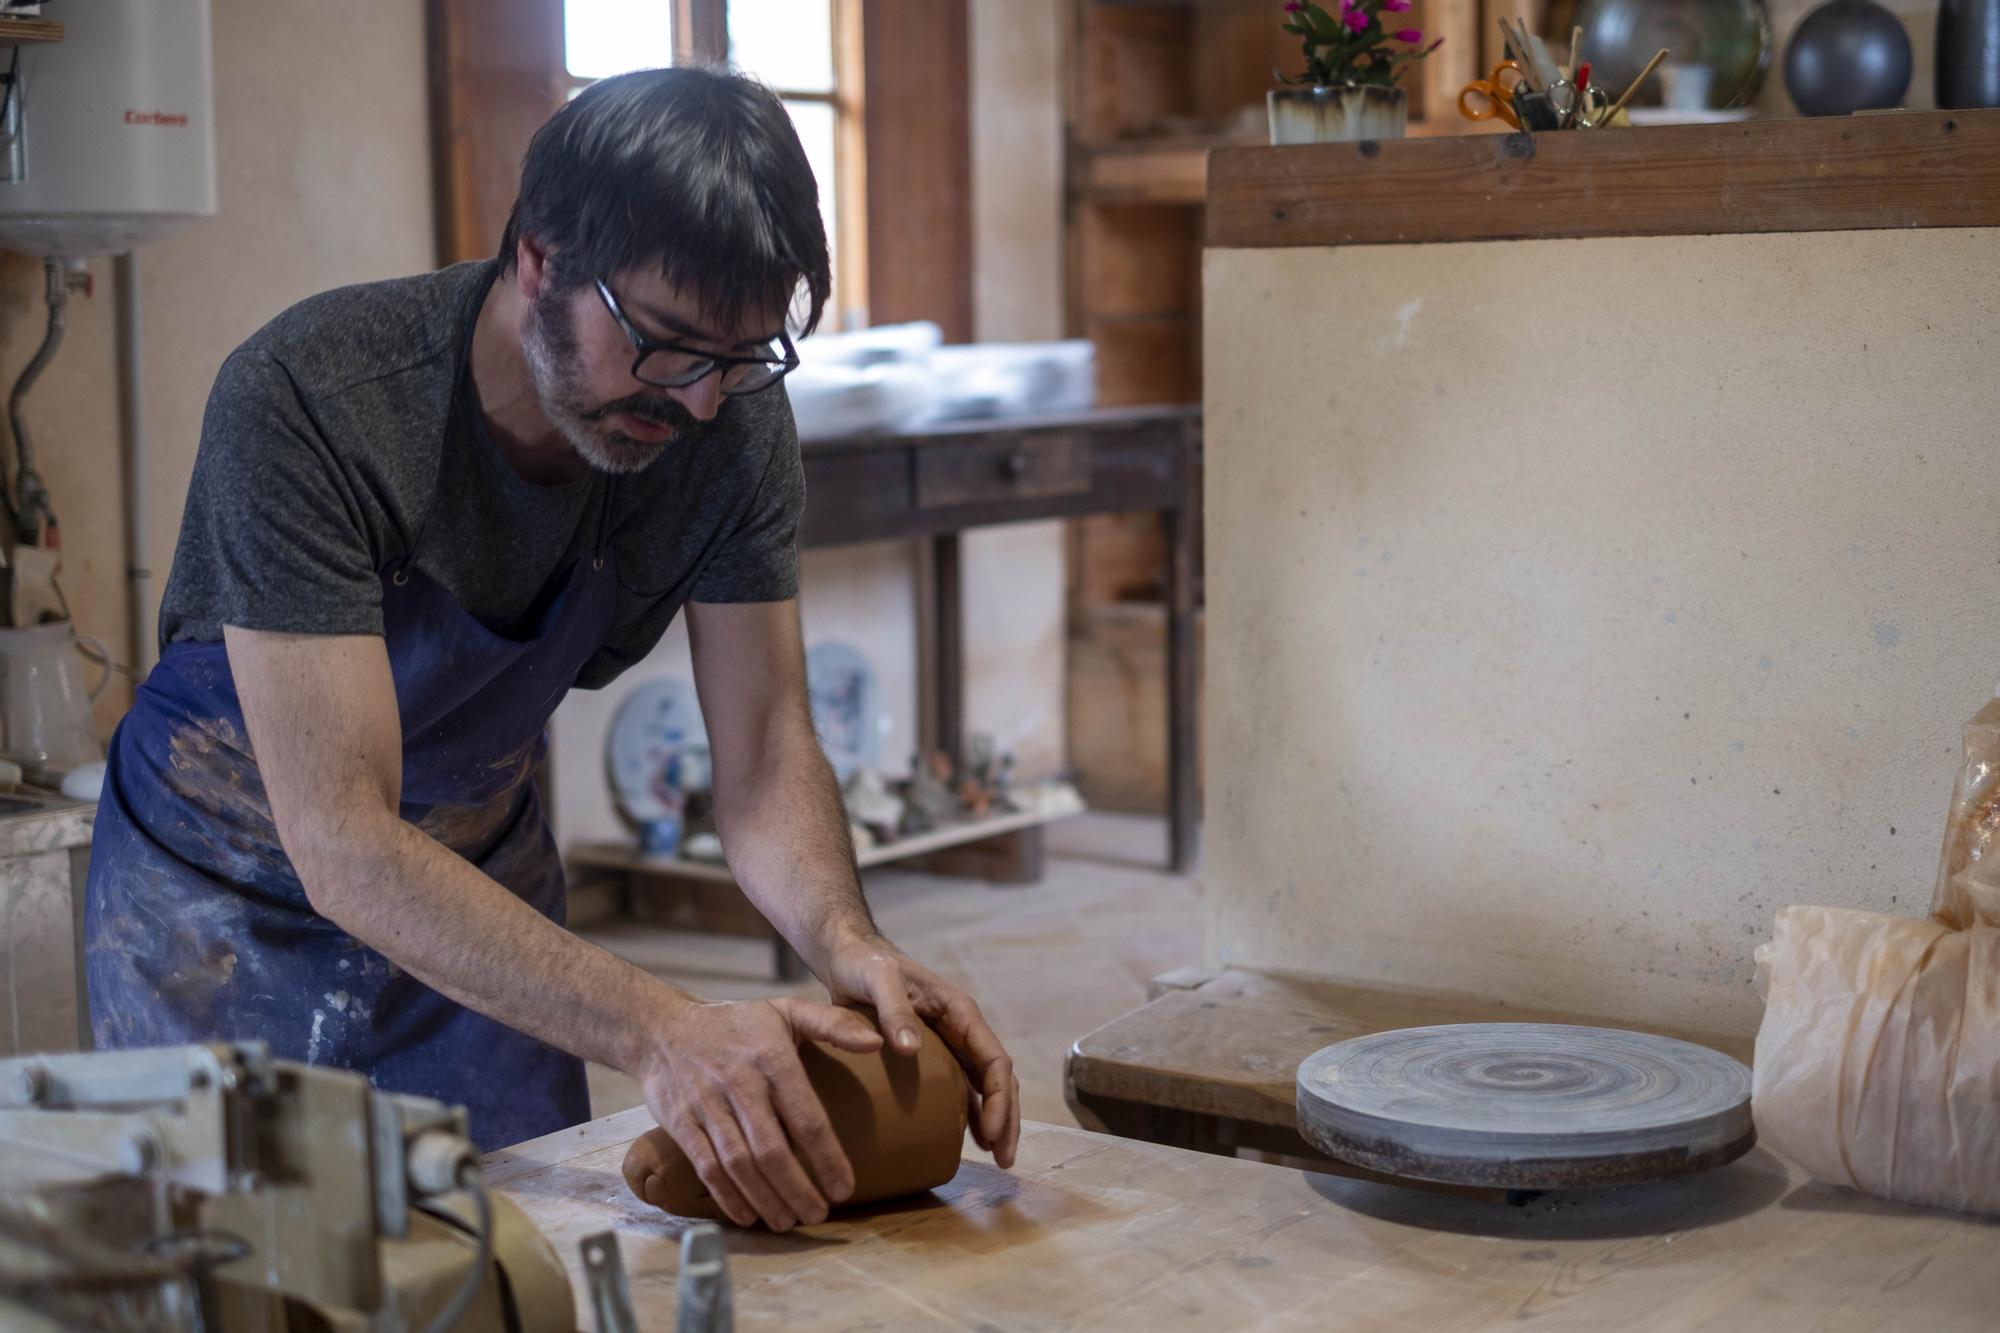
[(726, 1082)]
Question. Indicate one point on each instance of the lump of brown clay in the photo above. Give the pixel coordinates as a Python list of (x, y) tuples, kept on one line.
[(899, 1118)]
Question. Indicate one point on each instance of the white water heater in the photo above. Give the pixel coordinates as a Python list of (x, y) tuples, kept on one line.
[(113, 129)]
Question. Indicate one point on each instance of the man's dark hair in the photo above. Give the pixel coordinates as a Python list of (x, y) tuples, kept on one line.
[(697, 171)]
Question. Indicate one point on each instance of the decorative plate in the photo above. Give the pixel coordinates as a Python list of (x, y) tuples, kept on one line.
[(656, 722), (846, 706)]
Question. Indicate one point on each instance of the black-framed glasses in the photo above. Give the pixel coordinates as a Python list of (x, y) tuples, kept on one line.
[(668, 365)]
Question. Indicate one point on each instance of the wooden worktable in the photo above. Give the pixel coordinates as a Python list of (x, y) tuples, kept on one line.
[(1093, 1232), (1209, 1062)]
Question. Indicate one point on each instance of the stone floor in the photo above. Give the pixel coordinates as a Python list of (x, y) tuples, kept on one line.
[(1047, 962)]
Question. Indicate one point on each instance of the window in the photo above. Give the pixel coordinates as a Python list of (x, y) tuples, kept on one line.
[(805, 50), (606, 37)]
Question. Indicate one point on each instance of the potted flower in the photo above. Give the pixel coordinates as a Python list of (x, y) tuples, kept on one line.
[(1353, 61)]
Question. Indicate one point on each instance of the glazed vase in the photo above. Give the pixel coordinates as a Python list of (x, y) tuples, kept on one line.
[(1968, 54), (1847, 56), (1319, 114)]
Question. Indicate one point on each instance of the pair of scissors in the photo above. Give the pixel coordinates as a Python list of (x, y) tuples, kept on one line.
[(1484, 99), (1592, 105)]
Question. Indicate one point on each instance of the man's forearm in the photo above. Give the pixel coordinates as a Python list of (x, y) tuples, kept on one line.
[(439, 918), (785, 829)]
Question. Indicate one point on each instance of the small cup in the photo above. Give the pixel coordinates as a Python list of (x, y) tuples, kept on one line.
[(1685, 87)]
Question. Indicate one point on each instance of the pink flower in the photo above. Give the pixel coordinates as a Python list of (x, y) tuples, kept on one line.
[(1409, 35), (1294, 6), (1395, 6), (1356, 20)]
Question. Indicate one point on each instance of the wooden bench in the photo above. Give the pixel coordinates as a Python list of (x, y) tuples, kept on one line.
[(1208, 1062)]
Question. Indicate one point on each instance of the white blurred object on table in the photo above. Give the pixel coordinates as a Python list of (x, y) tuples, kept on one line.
[(899, 377)]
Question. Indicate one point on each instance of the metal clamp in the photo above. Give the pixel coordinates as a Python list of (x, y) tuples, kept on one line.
[(703, 1303), (608, 1294)]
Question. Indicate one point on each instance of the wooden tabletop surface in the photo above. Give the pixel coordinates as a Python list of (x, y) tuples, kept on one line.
[(1093, 1232), (1229, 1043), (972, 428)]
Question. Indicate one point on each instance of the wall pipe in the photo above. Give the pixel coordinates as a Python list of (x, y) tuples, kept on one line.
[(132, 418)]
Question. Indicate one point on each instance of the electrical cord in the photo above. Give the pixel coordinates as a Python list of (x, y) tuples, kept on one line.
[(29, 506), (90, 654), (473, 1182)]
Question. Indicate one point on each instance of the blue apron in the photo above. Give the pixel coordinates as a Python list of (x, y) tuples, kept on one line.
[(196, 925)]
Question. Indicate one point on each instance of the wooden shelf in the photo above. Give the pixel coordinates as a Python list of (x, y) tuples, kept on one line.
[(1174, 170), (1145, 171), (1834, 173), (623, 856)]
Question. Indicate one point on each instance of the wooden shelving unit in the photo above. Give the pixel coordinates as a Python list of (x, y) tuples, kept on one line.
[(21, 29), (1152, 88)]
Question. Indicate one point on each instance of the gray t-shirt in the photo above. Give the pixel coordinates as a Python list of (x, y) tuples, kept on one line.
[(332, 430)]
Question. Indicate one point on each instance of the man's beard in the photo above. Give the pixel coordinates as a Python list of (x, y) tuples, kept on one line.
[(556, 366)]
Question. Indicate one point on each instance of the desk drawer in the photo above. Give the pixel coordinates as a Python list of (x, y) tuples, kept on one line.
[(998, 468)]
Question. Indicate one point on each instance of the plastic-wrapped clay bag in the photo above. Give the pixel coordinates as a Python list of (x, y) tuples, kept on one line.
[(1968, 887), (1878, 1063)]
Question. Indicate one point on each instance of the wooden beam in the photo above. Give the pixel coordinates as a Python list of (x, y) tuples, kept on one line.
[(496, 75), (701, 31), (850, 148), (1451, 66), (1851, 173), (919, 149), (947, 729)]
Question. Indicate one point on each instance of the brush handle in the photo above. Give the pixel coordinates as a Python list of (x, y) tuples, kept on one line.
[(1626, 96)]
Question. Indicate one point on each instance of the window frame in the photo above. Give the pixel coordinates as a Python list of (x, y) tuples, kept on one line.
[(905, 252), (701, 36)]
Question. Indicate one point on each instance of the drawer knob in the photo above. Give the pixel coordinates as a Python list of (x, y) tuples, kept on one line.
[(1014, 466)]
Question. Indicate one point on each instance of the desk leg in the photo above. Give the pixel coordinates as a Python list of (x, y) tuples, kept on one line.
[(949, 664), (1183, 819), (785, 964)]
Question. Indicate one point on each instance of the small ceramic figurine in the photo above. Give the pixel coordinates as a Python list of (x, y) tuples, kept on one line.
[(871, 804), (931, 802), (975, 779)]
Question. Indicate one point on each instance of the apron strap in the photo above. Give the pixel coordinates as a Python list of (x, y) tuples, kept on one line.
[(604, 524), (455, 416)]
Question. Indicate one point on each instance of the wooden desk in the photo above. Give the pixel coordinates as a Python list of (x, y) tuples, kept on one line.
[(1210, 1061), (1092, 1232), (938, 484)]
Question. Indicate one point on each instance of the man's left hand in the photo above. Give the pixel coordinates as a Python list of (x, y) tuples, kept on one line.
[(870, 970)]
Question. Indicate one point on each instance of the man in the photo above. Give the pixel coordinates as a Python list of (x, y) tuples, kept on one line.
[(422, 511)]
